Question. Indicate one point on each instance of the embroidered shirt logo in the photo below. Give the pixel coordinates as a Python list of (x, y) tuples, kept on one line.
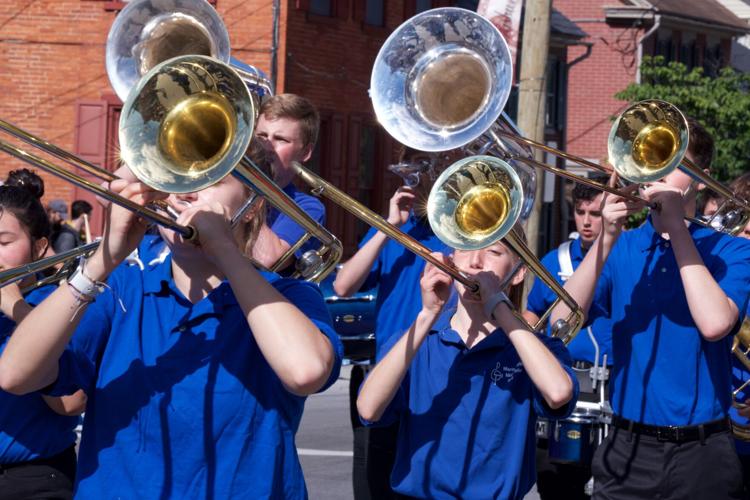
[(508, 373)]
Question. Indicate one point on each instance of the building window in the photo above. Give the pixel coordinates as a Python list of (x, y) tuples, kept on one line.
[(375, 12), (712, 60), (664, 48), (321, 7)]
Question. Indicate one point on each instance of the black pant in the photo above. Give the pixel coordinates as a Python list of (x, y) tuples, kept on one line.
[(374, 450), (630, 465), (42, 479)]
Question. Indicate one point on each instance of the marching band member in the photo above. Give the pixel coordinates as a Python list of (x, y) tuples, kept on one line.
[(396, 271), (197, 368), (37, 433), (567, 481), (675, 293), (465, 382), (288, 125)]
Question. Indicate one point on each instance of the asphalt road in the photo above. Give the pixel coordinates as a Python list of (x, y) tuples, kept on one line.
[(324, 443)]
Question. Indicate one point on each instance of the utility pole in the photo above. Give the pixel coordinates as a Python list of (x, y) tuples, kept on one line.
[(533, 94)]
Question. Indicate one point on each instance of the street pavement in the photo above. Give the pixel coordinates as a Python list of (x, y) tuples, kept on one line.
[(324, 443)]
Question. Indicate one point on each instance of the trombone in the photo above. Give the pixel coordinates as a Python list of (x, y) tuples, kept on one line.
[(185, 126), (649, 140), (68, 259)]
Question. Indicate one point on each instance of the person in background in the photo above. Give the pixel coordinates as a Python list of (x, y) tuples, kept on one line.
[(288, 125), (57, 212), (69, 236), (37, 432), (557, 480), (396, 271), (466, 381)]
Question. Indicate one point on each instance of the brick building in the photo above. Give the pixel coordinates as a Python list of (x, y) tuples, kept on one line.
[(696, 32)]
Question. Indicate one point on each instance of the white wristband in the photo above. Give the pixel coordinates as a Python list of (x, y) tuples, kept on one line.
[(85, 285), (491, 303)]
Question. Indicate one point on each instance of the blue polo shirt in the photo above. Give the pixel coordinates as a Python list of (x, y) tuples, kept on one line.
[(541, 298), (182, 403), (287, 229), (152, 250), (467, 417), (397, 272), (664, 372), (29, 429)]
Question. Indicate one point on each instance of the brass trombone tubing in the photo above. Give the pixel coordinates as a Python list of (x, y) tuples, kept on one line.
[(322, 187), (60, 153), (575, 317), (19, 273), (248, 173), (185, 231), (564, 173)]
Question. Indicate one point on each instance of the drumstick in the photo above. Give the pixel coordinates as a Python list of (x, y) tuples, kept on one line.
[(86, 228)]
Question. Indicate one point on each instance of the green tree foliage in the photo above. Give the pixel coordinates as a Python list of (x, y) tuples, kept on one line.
[(721, 104)]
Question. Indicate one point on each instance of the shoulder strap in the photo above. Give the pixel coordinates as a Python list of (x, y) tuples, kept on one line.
[(563, 257)]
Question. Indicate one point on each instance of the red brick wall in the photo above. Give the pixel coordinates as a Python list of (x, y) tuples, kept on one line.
[(51, 55), (594, 81)]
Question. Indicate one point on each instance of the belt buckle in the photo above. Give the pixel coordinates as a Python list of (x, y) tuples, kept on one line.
[(668, 433)]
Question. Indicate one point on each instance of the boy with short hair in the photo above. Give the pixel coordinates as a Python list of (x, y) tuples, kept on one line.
[(288, 125)]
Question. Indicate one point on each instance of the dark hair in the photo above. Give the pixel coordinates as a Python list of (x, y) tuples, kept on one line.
[(741, 186), (20, 197), (582, 192), (297, 108), (80, 207), (701, 144), (27, 179)]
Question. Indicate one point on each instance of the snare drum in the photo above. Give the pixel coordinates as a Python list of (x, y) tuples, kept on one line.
[(573, 440), (354, 321)]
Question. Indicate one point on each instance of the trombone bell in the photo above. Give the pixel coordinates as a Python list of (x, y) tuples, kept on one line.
[(170, 35), (148, 32), (186, 124), (648, 141), (196, 133), (475, 202), (654, 146), (450, 87), (483, 209), (441, 79)]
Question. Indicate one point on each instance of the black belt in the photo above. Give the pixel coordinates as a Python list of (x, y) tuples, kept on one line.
[(674, 433)]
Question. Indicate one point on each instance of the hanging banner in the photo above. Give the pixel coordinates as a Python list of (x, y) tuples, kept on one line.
[(506, 16)]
